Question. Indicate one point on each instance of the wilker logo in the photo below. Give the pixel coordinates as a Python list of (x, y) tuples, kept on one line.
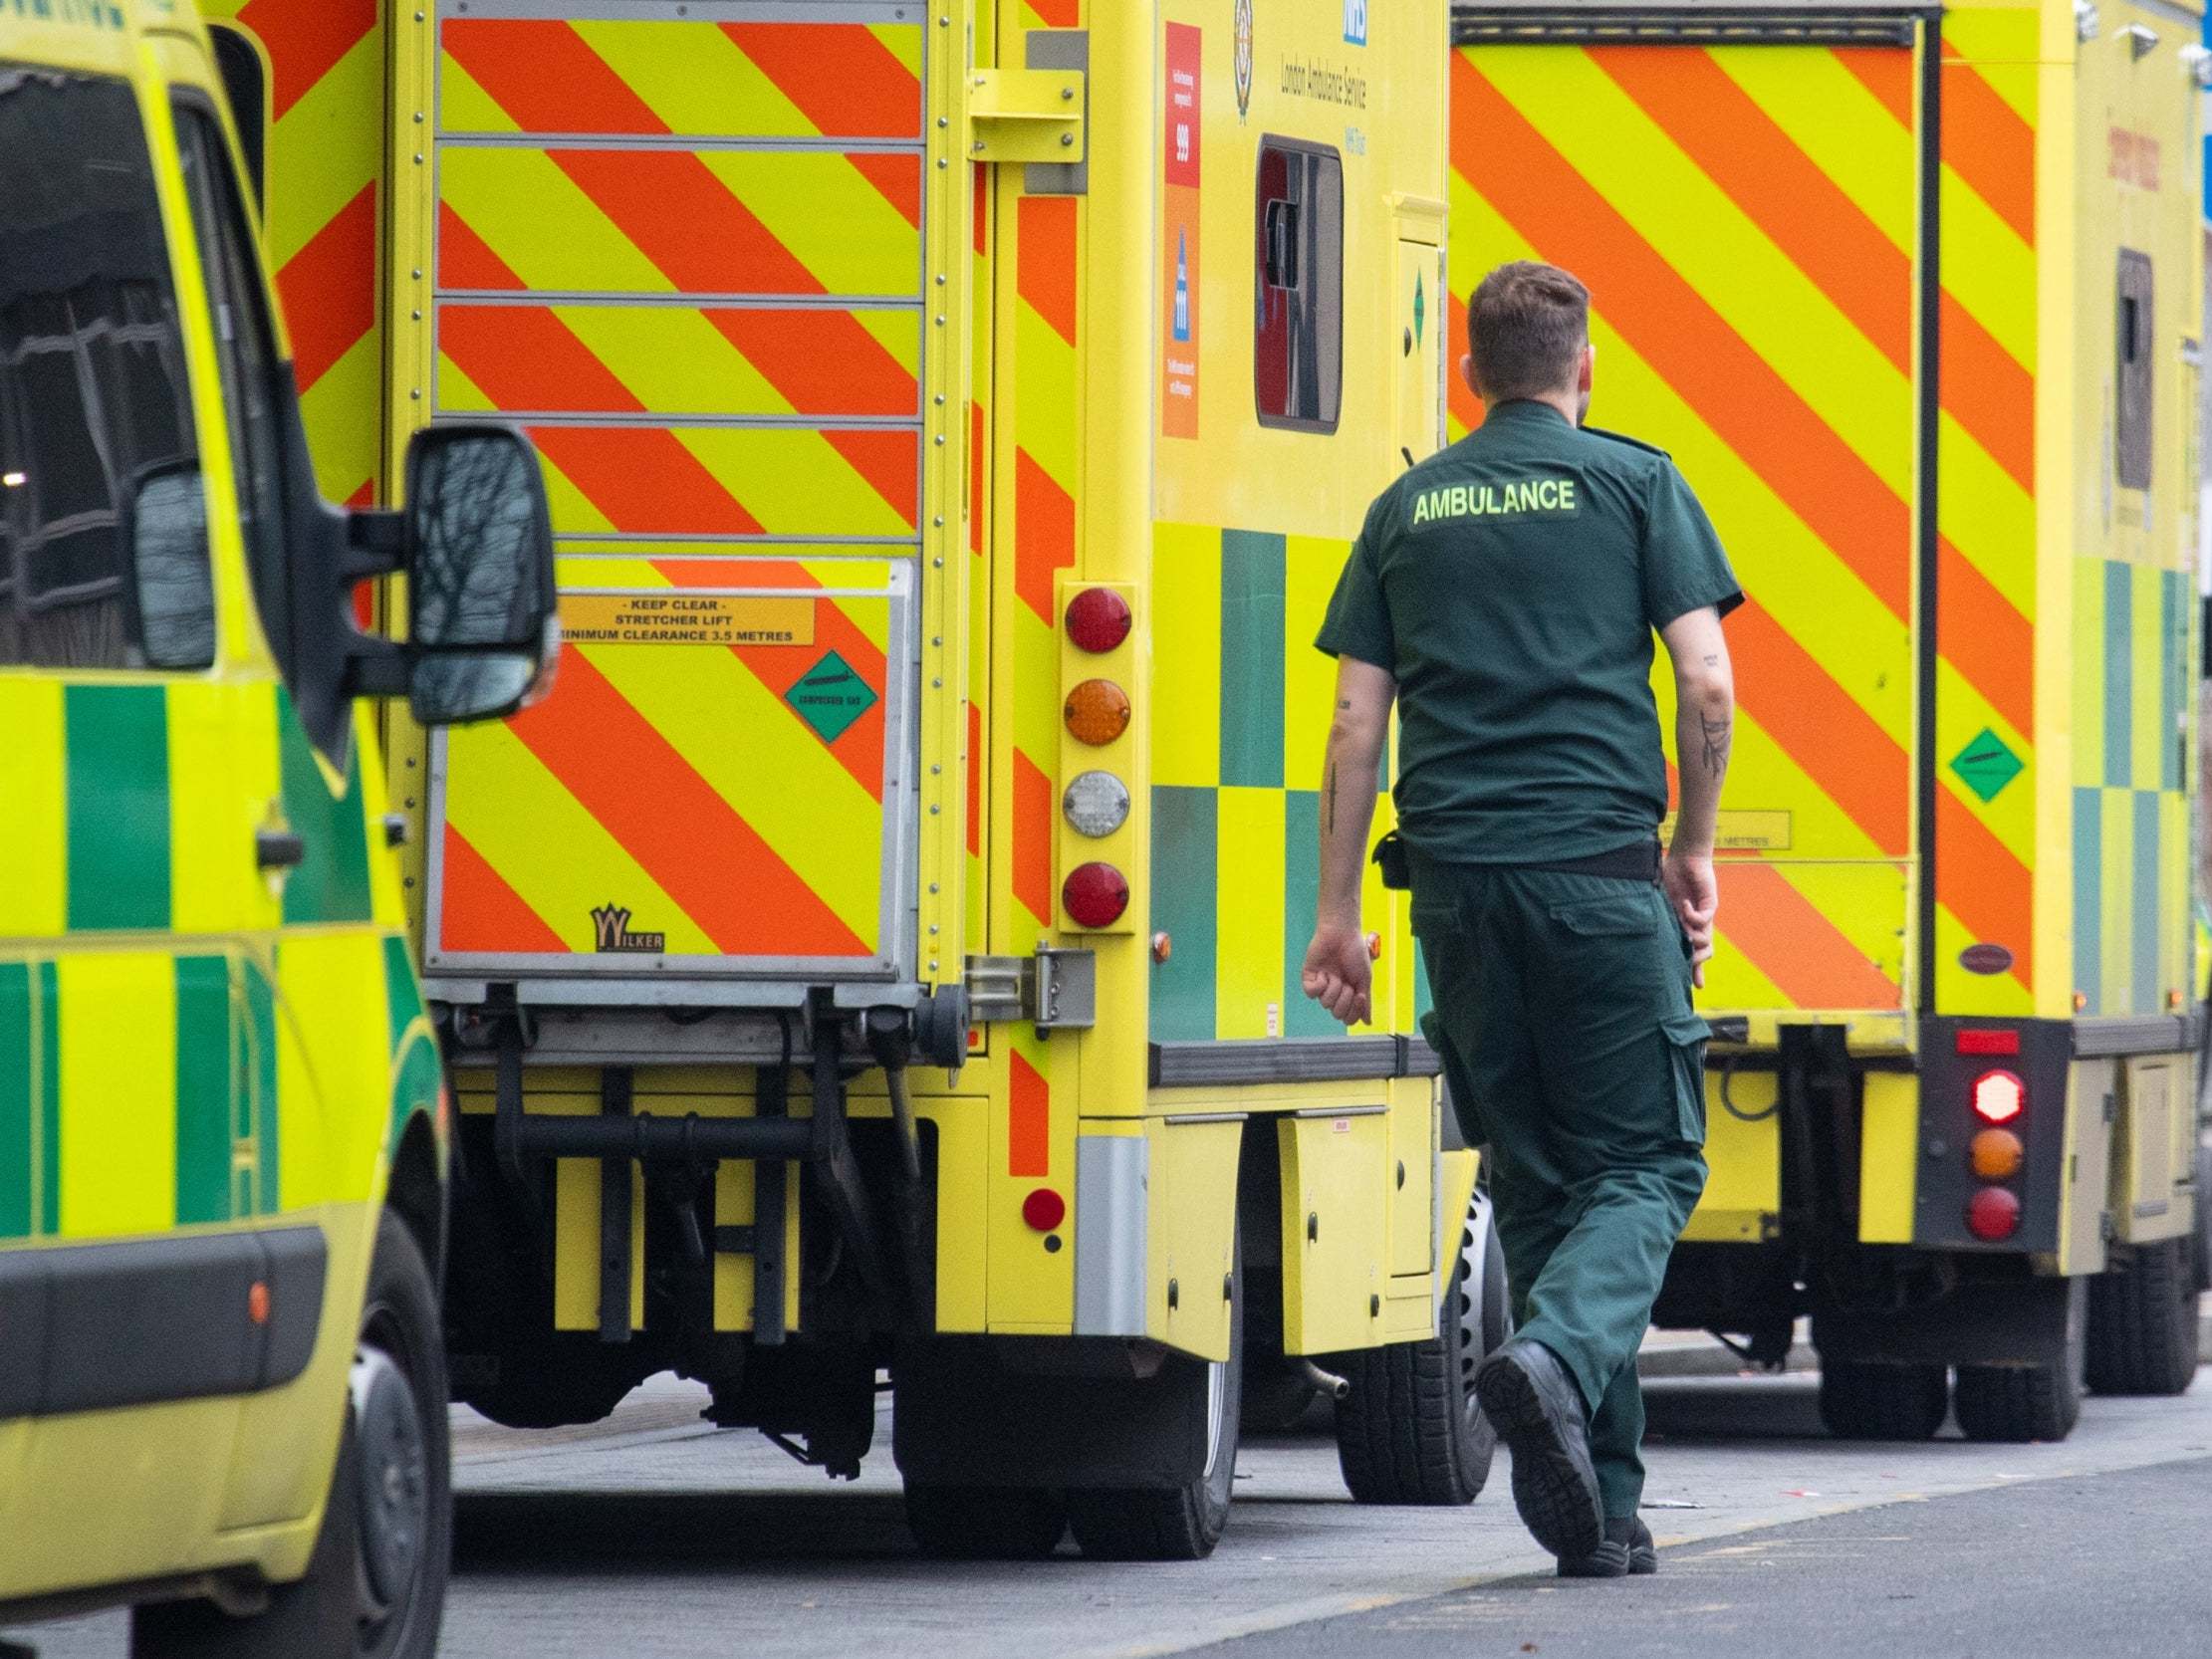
[(611, 931)]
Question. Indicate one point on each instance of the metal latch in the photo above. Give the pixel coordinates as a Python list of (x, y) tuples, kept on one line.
[(1026, 114), (1058, 990)]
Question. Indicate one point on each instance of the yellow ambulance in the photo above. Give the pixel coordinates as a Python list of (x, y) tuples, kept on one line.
[(881, 954), (224, 1140), (1913, 293)]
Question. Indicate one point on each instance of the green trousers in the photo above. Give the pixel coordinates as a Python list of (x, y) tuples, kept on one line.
[(1561, 1010)]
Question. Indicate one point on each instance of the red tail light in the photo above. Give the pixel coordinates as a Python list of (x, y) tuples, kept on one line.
[(1044, 1209), (1993, 1214), (1095, 895), (1989, 1042), (1999, 1097), (1098, 619)]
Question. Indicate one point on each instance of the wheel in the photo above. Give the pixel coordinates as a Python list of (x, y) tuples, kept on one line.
[(2143, 1320), (1867, 1400), (1410, 1430), (376, 1584), (984, 1523), (2200, 1238), (2018, 1402), (1179, 1523), (2034, 1401)]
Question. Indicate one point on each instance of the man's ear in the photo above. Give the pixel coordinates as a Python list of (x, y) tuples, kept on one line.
[(1589, 368), (1467, 372)]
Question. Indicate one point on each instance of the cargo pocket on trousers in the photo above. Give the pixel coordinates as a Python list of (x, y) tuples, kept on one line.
[(1685, 1035)]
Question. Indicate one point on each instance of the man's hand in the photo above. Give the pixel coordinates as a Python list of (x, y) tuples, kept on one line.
[(1695, 894), (1338, 973)]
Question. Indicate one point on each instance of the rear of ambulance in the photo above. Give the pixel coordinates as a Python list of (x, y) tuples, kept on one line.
[(674, 911), (1809, 232)]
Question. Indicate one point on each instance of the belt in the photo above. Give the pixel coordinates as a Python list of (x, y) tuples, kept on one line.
[(1637, 861)]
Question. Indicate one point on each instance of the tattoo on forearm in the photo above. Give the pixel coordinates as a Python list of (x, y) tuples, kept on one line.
[(1716, 744)]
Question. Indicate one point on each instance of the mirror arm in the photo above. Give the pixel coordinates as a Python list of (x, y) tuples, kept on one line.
[(377, 668), (375, 543)]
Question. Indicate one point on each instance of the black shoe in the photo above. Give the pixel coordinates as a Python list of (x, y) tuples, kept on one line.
[(1538, 1411), (1628, 1550)]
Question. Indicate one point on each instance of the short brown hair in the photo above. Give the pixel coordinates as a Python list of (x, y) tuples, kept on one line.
[(1525, 327)]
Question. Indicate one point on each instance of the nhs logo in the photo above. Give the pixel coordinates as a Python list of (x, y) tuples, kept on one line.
[(1355, 22)]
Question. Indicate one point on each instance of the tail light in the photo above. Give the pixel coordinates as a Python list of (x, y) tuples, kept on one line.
[(1044, 1209), (1993, 1214), (1999, 1097), (1098, 619), (1095, 895)]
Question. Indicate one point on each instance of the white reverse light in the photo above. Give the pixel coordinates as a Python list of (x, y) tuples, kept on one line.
[(1097, 804)]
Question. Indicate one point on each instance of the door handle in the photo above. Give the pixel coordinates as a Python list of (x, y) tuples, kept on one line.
[(277, 849)]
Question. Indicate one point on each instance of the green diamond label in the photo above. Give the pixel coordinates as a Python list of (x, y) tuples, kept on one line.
[(830, 696), (1986, 766), (1420, 308)]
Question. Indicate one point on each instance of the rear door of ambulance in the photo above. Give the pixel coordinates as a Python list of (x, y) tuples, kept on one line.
[(1749, 215), (682, 246)]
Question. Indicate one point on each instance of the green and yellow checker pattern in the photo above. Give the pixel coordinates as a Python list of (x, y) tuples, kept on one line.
[(1240, 729), (182, 1041), (2131, 685)]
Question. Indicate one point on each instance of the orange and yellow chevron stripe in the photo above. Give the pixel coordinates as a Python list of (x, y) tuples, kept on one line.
[(687, 256), (767, 206), (1985, 758), (1747, 219), (727, 798), (323, 213)]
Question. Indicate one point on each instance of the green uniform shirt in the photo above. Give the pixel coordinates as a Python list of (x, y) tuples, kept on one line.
[(1512, 583)]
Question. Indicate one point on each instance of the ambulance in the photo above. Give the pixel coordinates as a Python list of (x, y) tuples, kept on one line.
[(877, 966), (1913, 293), (224, 1137)]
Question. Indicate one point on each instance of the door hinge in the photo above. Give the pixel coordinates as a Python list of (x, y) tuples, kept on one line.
[(1026, 114), (1058, 990)]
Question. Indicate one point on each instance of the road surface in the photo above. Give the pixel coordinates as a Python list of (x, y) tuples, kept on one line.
[(657, 1536)]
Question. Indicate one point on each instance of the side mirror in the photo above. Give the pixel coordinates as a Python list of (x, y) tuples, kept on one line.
[(483, 632), (172, 576)]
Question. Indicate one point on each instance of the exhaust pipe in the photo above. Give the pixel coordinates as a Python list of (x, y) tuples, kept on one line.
[(1327, 1382)]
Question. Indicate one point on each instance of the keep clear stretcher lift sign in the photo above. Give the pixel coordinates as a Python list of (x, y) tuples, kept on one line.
[(685, 619)]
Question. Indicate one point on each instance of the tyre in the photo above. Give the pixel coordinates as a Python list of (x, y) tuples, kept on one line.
[(2200, 1238), (1866, 1400), (2143, 1320), (2017, 1403), (1179, 1523), (1410, 1431), (984, 1524), (2034, 1401), (376, 1584)]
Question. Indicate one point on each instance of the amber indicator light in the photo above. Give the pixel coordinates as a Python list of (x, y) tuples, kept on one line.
[(1097, 712), (1996, 1154)]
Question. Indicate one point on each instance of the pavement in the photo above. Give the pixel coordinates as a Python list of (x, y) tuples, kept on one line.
[(656, 1535), (1981, 1574)]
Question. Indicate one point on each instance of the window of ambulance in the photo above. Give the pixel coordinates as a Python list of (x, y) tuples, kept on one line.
[(245, 349), (103, 559)]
